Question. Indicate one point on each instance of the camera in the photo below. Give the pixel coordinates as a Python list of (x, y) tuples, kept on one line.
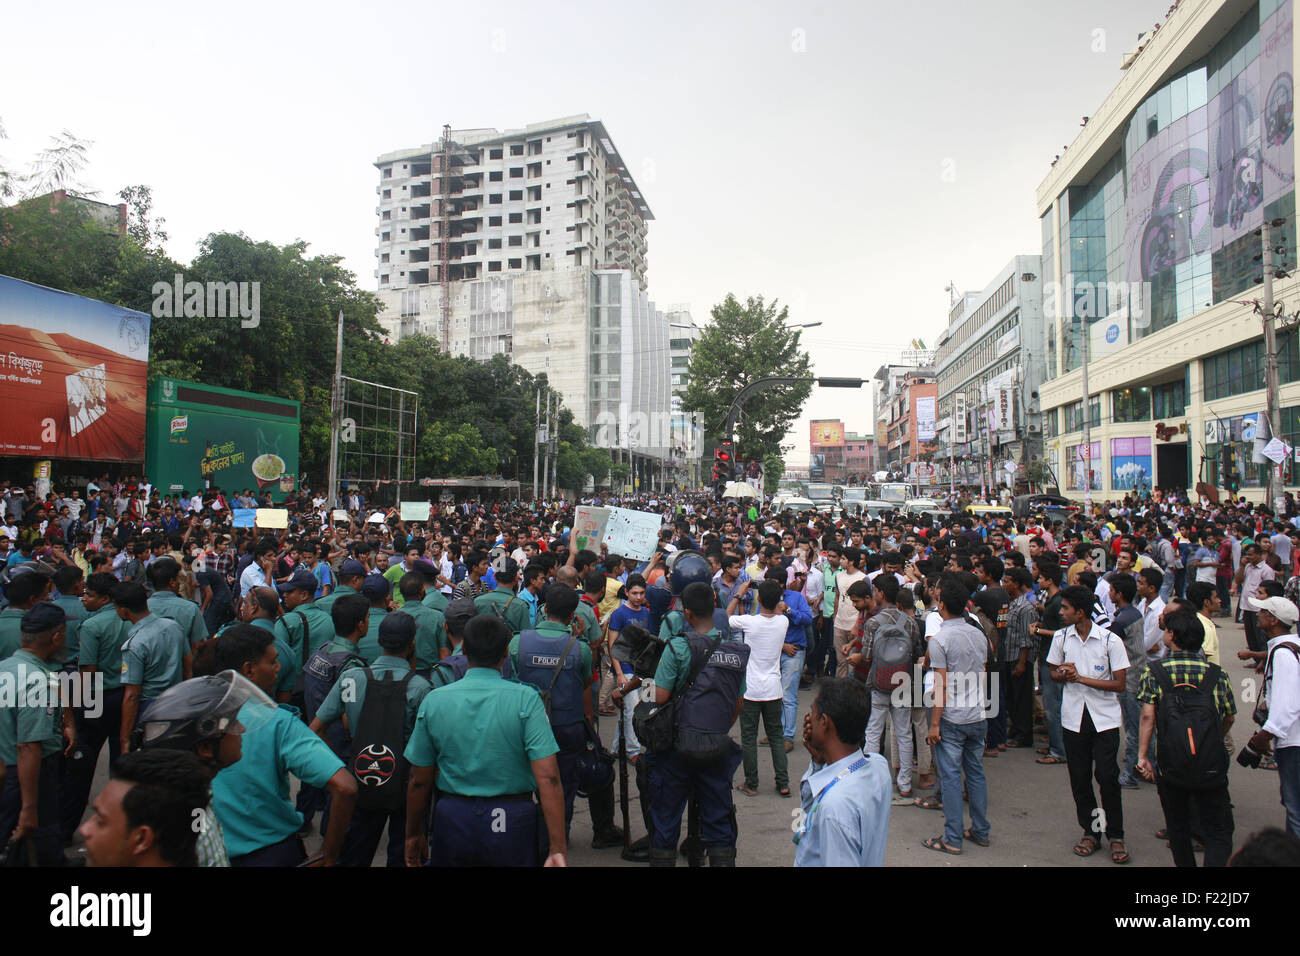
[(1249, 757)]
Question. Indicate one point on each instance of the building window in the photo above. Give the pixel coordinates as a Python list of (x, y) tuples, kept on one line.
[(494, 176), (494, 199), (516, 195), (494, 220), (516, 149), (1081, 461), (494, 243), (494, 153), (494, 266), (517, 172)]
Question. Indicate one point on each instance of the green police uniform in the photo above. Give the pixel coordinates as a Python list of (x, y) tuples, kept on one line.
[(675, 663), (326, 602), (152, 655), (291, 627), (591, 623), (334, 706), (184, 612), (558, 632), (368, 646), (76, 613), (102, 635), (430, 634), (507, 605), (436, 600), (29, 720), (11, 635), (482, 734)]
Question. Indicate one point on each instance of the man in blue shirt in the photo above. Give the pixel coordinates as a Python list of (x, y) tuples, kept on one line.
[(251, 797), (792, 655), (844, 796)]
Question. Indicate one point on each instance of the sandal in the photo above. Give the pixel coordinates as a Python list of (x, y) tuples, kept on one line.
[(1049, 759), (928, 803), (1086, 846), (607, 712), (1117, 852), (970, 835), (747, 790), (783, 791), (937, 843)]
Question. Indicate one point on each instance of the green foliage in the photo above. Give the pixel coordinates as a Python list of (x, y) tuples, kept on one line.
[(451, 450), (773, 469), (746, 343)]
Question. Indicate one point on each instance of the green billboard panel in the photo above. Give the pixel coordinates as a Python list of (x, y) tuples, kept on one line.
[(200, 436)]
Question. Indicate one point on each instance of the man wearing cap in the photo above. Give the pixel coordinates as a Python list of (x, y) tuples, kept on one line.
[(166, 601), (35, 732), (1275, 618), (374, 589), (453, 667), (24, 591), (346, 699), (156, 655), (434, 599), (430, 629), (502, 600), (303, 626), (351, 575)]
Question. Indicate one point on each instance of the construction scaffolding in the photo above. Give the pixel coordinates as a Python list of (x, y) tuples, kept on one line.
[(377, 437)]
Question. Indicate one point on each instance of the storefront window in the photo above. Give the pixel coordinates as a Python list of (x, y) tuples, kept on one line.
[(1132, 404), (1130, 464), (1084, 460)]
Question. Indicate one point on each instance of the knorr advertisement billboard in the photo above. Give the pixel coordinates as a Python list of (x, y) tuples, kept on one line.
[(201, 436)]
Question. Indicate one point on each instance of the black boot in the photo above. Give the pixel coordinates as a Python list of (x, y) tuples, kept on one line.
[(638, 852), (663, 856), (722, 856)]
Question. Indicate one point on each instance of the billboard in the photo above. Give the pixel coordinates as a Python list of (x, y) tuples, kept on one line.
[(201, 436), (72, 375), (826, 434), (925, 414)]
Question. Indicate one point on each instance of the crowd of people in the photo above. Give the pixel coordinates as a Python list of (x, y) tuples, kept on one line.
[(443, 681)]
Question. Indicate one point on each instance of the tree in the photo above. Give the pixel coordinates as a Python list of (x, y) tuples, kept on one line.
[(773, 469), (453, 451), (746, 343), (148, 234)]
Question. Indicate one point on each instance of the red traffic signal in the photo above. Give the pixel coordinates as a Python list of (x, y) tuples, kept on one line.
[(723, 452)]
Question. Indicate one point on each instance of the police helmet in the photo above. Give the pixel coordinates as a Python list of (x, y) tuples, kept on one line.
[(204, 708), (688, 567), (595, 769)]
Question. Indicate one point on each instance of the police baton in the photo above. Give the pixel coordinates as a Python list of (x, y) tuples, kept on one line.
[(622, 775)]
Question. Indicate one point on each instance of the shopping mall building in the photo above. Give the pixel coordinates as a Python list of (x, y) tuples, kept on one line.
[(1151, 226)]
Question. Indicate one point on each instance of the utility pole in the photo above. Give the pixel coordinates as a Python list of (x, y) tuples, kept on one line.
[(1275, 495), (546, 446), (336, 418), (1087, 421), (537, 424)]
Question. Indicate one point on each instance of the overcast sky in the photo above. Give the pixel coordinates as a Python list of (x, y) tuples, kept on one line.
[(847, 158)]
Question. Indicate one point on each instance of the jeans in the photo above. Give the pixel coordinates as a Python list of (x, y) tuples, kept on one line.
[(995, 692), (1052, 693), (1288, 775), (1085, 750), (1167, 587), (961, 750), (791, 668), (770, 711), (902, 727), (672, 783), (1225, 597), (1212, 810), (1254, 640), (45, 839), (1132, 711)]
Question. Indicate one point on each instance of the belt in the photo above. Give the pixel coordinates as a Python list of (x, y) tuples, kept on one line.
[(499, 798)]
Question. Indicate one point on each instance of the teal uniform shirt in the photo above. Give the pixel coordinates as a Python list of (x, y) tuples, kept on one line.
[(368, 647), (430, 633), (102, 635), (559, 633), (251, 797), (184, 612), (591, 623), (152, 655), (11, 635), (326, 603), (25, 719), (76, 612), (436, 600), (291, 628), (333, 706), (506, 604), (675, 664), (482, 734)]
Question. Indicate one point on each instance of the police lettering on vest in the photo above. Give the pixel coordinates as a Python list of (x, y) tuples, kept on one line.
[(539, 657)]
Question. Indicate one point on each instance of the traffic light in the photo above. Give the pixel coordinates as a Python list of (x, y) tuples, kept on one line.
[(723, 462), (1228, 468)]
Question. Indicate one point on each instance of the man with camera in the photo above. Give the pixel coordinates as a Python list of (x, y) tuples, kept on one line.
[(1278, 710)]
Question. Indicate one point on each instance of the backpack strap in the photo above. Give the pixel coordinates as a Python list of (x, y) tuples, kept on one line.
[(1210, 678), (1162, 678), (306, 635), (1290, 646), (559, 667), (696, 668)]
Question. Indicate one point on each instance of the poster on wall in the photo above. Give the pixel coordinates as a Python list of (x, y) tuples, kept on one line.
[(1130, 464), (72, 375), (925, 416)]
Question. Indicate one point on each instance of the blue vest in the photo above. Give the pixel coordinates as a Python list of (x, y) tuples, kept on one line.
[(538, 657), (710, 704), (458, 664), (319, 675)]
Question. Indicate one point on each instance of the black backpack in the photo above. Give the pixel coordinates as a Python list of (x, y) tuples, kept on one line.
[(378, 742), (1189, 733)]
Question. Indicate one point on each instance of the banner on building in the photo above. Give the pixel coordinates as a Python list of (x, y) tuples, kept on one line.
[(1002, 417), (72, 375), (925, 418), (959, 435), (826, 434)]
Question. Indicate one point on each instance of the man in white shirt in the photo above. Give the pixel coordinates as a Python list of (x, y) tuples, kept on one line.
[(1091, 662), (1281, 732), (1252, 573), (846, 615), (765, 633), (1149, 581)]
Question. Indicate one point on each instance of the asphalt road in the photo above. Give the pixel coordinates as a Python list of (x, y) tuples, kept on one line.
[(1030, 808)]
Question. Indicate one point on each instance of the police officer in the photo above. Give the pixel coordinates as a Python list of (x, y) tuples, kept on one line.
[(35, 733), (433, 599), (101, 637), (70, 582), (502, 600), (166, 601), (555, 661), (28, 585), (155, 656), (305, 625), (715, 673), (352, 573), (453, 667), (491, 746), (397, 641), (430, 624), (376, 590)]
